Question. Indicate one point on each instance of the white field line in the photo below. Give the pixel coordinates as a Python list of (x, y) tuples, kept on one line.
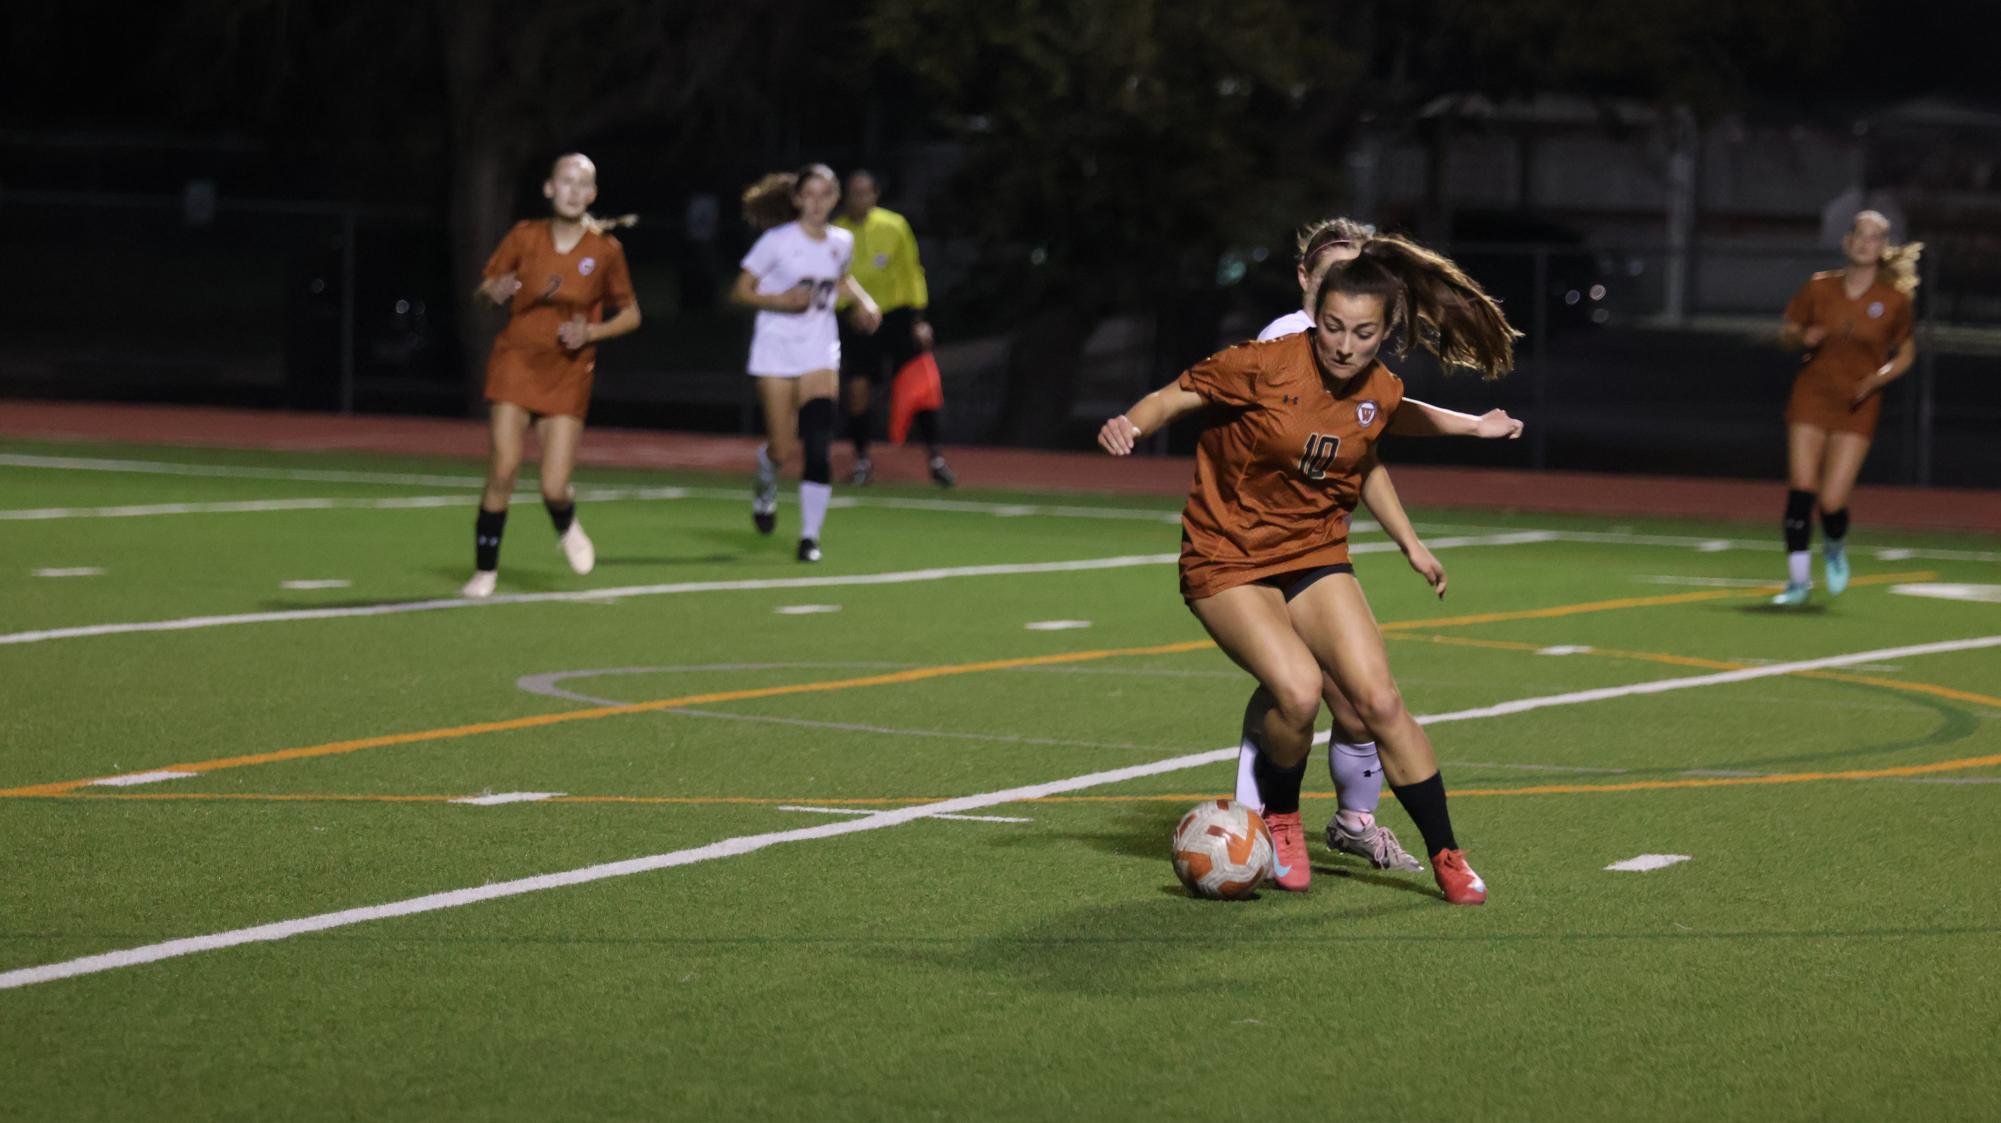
[(1056, 625), (899, 577), (1747, 674), (498, 798), (256, 506), (750, 844), (852, 811), (1004, 510), (71, 571), (133, 778), (459, 898), (1707, 582), (1646, 862)]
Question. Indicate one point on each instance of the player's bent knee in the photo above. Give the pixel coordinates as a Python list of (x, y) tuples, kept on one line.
[(1380, 707), (1297, 703)]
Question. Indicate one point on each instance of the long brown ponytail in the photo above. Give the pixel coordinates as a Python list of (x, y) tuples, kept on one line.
[(770, 201), (1435, 303)]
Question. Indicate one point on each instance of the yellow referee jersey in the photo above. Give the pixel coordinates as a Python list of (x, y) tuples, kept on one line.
[(886, 264)]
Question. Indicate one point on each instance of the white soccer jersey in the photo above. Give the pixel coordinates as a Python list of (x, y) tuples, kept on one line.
[(1291, 324), (788, 344)]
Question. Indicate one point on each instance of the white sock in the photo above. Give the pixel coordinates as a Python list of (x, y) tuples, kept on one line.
[(1358, 781), (767, 470), (1799, 566), (1247, 754), (813, 500)]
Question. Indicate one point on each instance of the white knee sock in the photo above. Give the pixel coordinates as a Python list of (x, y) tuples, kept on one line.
[(813, 507), (1358, 781), (1799, 566), (1247, 754)]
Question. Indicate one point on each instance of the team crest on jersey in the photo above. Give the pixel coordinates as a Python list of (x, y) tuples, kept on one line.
[(1875, 309), (1365, 414), (586, 265)]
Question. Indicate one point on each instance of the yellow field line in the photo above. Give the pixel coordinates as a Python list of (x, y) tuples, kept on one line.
[(534, 721), (1959, 764), (1634, 602), (919, 674)]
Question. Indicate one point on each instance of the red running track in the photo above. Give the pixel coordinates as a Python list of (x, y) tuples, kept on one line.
[(1577, 493)]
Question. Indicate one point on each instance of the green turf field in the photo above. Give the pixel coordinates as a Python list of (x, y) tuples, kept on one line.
[(305, 924)]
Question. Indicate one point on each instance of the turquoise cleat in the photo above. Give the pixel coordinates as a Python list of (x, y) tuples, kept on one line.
[(1794, 596), (1834, 559)]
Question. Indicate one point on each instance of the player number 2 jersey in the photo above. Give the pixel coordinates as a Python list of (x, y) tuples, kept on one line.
[(788, 344)]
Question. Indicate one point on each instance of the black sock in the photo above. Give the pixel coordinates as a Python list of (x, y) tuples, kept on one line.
[(486, 531), (1425, 803), (1835, 524), (1799, 520), (926, 425), (858, 433), (1279, 786), (562, 514)]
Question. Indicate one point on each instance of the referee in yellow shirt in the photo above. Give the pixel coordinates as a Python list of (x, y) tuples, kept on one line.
[(886, 266)]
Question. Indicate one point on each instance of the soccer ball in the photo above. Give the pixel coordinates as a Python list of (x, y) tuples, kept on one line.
[(1222, 850)]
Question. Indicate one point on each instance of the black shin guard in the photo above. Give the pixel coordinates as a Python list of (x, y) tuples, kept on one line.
[(486, 532), (1279, 786), (1424, 801), (858, 432), (926, 426), (1834, 524), (816, 436), (562, 514), (1799, 520)]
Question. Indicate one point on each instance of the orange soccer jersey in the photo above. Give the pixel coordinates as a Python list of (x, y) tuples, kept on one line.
[(1279, 469), (529, 366), (1862, 335)]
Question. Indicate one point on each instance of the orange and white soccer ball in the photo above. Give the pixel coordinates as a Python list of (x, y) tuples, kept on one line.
[(1222, 850)]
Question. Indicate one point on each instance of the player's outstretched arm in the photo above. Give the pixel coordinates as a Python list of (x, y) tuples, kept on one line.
[(865, 314), (1379, 495), (1422, 419), (1150, 414)]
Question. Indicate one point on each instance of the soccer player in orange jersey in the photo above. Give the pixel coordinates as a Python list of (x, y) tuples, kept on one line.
[(556, 276), (1854, 324), (1292, 426)]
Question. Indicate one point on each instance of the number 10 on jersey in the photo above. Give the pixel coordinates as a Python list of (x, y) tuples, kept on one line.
[(1320, 452)]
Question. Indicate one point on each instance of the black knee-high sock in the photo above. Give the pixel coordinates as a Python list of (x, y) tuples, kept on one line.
[(1799, 520), (1425, 802), (486, 531), (1834, 524), (1279, 786), (858, 428), (926, 424), (562, 514)]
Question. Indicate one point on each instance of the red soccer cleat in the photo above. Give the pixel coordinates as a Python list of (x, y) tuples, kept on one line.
[(1456, 879), (1290, 867)]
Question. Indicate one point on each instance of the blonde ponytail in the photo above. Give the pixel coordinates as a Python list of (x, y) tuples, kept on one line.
[(1901, 263), (598, 224)]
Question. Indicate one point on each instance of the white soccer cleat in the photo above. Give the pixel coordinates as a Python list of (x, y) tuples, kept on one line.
[(1374, 842), (482, 583), (577, 549)]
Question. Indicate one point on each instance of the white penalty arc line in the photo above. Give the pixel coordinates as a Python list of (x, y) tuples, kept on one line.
[(750, 844), (899, 577)]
